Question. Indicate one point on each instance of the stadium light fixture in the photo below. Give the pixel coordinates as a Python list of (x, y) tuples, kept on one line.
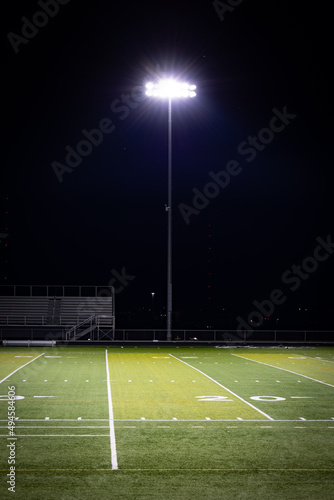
[(170, 89)]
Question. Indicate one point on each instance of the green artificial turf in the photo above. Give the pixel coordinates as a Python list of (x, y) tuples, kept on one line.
[(189, 423)]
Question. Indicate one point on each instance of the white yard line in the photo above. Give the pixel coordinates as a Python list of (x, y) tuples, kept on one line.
[(315, 359), (57, 427), (284, 369), (21, 367), (59, 435), (114, 464), (226, 389)]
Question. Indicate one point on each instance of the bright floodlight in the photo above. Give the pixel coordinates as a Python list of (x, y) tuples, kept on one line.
[(170, 88)]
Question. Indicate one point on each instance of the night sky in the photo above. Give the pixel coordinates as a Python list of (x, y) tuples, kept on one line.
[(263, 111)]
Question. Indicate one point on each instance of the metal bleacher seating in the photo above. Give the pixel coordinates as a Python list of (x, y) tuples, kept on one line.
[(70, 317), (24, 310)]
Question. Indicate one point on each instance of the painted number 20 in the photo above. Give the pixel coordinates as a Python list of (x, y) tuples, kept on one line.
[(213, 398)]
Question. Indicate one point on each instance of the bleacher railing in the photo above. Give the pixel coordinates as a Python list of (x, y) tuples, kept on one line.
[(204, 337), (55, 290), (38, 320)]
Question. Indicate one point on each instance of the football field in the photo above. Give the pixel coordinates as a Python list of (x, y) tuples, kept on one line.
[(166, 422)]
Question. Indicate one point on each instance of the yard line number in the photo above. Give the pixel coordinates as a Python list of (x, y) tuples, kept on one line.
[(255, 398)]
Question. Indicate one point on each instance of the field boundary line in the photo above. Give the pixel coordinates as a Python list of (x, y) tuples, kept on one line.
[(114, 464), (57, 435), (17, 369), (284, 369), (226, 389), (171, 469)]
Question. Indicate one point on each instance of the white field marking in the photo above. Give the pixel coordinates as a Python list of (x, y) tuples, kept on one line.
[(136, 420), (60, 435), (310, 357), (301, 418), (17, 369), (189, 357), (215, 381), (5, 397), (59, 427), (213, 398), (114, 464), (53, 356), (45, 396), (273, 398), (284, 369)]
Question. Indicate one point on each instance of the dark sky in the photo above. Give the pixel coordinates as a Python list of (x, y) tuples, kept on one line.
[(108, 213)]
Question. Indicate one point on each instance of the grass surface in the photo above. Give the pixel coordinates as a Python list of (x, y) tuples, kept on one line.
[(187, 423)]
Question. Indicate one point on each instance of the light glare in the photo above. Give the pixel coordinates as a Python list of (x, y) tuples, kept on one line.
[(170, 88)]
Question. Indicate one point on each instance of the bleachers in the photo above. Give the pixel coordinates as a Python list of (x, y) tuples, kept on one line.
[(63, 311), (69, 313), (74, 310), (24, 310)]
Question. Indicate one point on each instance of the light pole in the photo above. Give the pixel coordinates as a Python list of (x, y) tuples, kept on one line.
[(169, 89)]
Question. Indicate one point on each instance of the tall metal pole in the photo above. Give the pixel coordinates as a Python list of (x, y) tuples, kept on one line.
[(169, 208), (169, 88)]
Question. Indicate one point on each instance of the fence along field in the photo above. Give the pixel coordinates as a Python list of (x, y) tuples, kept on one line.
[(141, 409)]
